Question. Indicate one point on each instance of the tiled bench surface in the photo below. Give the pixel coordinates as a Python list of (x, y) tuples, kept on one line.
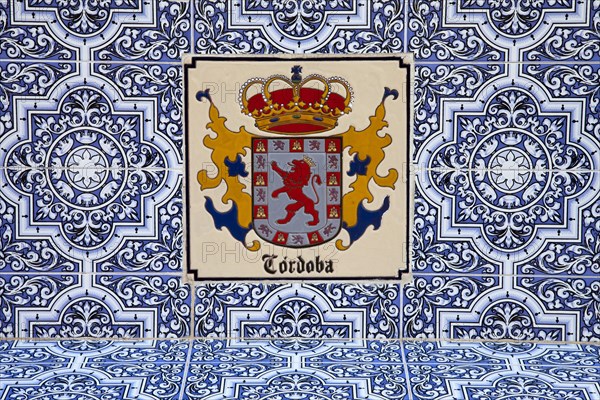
[(290, 369)]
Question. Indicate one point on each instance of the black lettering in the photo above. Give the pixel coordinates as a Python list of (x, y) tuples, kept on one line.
[(320, 265), (310, 267), (329, 268), (283, 265), (292, 262), (268, 260), (300, 264)]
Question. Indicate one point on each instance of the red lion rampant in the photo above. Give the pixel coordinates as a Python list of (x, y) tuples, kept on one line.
[(294, 182)]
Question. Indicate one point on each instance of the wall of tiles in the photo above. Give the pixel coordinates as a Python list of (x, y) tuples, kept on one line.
[(507, 154)]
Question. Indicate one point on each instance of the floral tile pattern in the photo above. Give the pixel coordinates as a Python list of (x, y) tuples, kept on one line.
[(308, 311), (214, 369), (506, 199), (129, 30), (332, 26), (506, 210)]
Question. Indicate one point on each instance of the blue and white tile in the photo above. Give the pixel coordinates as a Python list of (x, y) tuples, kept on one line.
[(333, 26), (140, 370), (432, 370), (440, 32), (482, 353), (359, 351), (88, 180), (432, 303), (491, 370), (27, 371), (19, 360), (514, 169), (506, 310), (83, 220), (459, 225), (569, 257), (160, 84), (134, 351), (81, 382), (160, 31), (434, 254), (30, 35), (28, 254), (577, 82), (370, 380), (497, 385), (144, 380), (573, 377), (312, 311), (569, 297), (31, 81), (159, 305), (23, 297), (72, 112), (481, 30), (574, 355), (159, 252), (439, 381), (34, 352), (128, 30), (249, 381), (102, 307), (436, 85), (564, 275), (233, 351), (565, 44)]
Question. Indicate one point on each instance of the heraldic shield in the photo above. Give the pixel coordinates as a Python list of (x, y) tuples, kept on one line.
[(293, 167), (297, 186)]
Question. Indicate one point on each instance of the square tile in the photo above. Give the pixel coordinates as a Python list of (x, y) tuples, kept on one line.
[(140, 351), (27, 35), (358, 351), (312, 311), (24, 297), (443, 32), (237, 352), (482, 353), (231, 27), (439, 381), (431, 304), (567, 43), (161, 251), (129, 30), (162, 84), (158, 306)]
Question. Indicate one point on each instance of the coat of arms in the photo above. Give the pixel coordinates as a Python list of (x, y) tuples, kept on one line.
[(293, 191)]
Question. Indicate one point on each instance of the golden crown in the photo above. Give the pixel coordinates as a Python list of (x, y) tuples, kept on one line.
[(309, 161), (297, 105)]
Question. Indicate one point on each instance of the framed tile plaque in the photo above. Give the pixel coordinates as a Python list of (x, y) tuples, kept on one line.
[(297, 167)]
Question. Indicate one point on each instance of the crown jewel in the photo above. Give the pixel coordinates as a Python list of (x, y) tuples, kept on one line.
[(297, 105)]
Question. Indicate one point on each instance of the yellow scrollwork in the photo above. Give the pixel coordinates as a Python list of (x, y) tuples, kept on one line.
[(366, 143), (228, 144)]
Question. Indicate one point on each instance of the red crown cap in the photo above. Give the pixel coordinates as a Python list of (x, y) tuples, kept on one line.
[(301, 106)]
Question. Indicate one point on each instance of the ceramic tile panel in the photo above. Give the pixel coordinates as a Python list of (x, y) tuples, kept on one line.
[(311, 311), (484, 31), (234, 27), (125, 30), (506, 166), (222, 369), (489, 370), (506, 208)]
